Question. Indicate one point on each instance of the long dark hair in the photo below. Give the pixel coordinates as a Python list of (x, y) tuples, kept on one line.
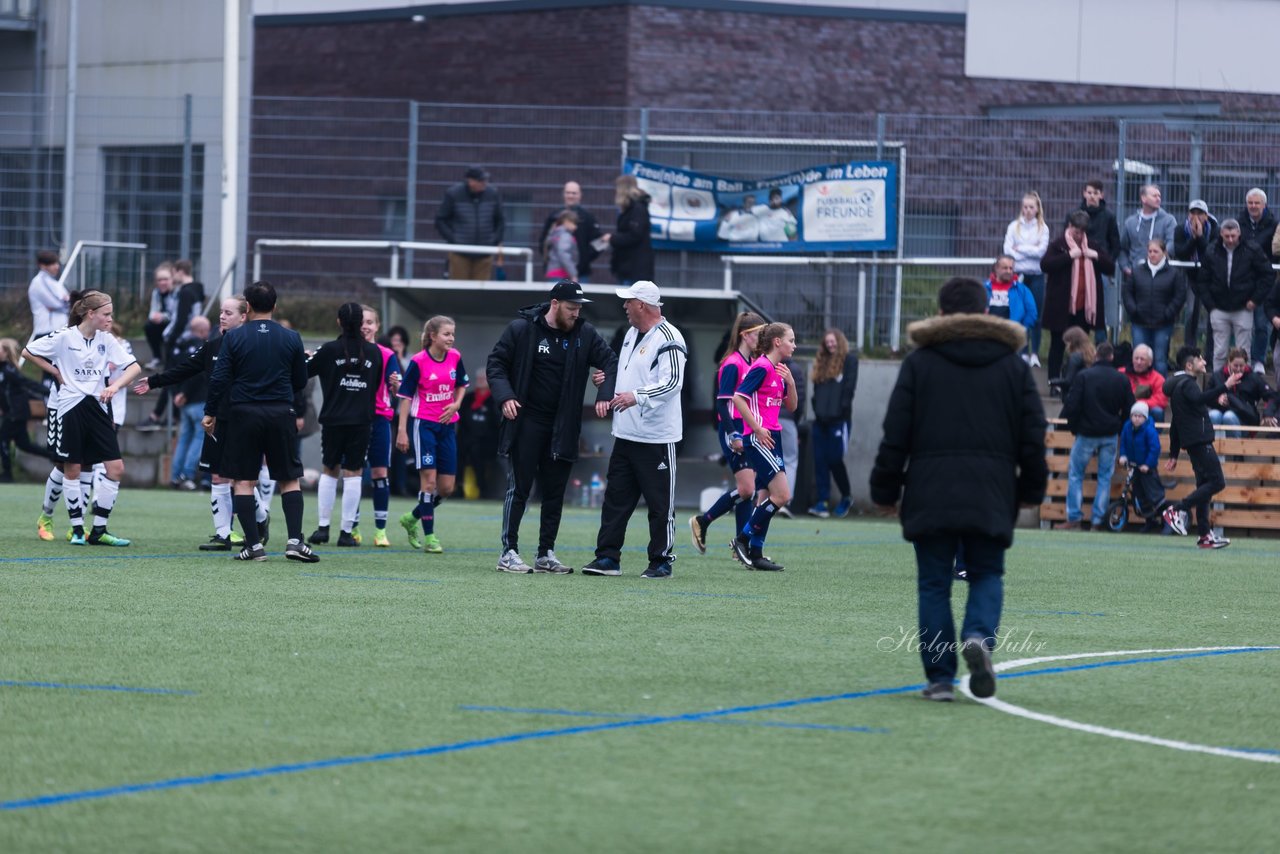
[(350, 316)]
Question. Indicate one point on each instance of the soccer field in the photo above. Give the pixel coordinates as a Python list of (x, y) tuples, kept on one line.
[(156, 698)]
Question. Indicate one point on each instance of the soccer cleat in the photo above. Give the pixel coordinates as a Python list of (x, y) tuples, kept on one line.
[(699, 528), (785, 512), (741, 547), (255, 552), (982, 676), (842, 509), (512, 562), (76, 539), (216, 544), (820, 510), (264, 530), (760, 563), (602, 566), (356, 535), (380, 538), (236, 538), (346, 541), (298, 550), (410, 524), (319, 536), (431, 545), (44, 527), (549, 563), (939, 692), (661, 570), (1210, 541), (105, 538), (1175, 519)]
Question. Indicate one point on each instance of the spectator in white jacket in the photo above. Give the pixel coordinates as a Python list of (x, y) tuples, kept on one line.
[(1025, 241), (49, 300)]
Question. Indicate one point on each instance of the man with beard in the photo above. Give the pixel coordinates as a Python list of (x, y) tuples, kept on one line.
[(538, 373)]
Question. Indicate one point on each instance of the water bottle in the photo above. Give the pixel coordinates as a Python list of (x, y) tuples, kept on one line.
[(597, 489), (585, 500)]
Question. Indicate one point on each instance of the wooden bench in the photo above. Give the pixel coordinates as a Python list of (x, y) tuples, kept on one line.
[(1251, 466)]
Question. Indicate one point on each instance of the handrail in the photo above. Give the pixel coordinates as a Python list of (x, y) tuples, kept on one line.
[(106, 244), (395, 246)]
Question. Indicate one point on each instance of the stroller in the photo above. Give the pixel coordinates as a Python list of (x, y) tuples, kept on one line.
[(1146, 498)]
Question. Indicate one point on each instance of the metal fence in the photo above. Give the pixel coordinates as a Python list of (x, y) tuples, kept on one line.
[(146, 170)]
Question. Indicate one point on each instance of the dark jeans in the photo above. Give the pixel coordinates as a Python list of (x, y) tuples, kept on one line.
[(830, 442), (531, 462), (1209, 481), (935, 560), (155, 338), (15, 430), (1195, 325)]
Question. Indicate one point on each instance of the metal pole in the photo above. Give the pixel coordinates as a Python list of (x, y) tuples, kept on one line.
[(828, 291), (411, 188), (69, 145), (862, 306), (257, 262), (1197, 162), (644, 131), (1121, 128), (728, 275), (37, 203), (184, 239), (230, 142)]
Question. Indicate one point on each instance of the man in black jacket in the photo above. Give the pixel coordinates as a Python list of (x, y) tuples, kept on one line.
[(1258, 228), (471, 214), (963, 447), (1096, 408), (1191, 242), (587, 231), (1191, 429), (538, 372), (1234, 278)]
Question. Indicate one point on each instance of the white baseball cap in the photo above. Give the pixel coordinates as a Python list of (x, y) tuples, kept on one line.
[(646, 292)]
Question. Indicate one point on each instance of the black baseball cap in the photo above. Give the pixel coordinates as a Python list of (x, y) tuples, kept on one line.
[(567, 290), (477, 173)]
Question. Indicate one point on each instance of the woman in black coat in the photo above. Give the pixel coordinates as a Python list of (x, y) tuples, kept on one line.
[(1059, 265), (1153, 299), (632, 259)]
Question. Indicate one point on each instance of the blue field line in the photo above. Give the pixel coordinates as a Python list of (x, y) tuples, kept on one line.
[(1126, 662), (1055, 613), (71, 686), (371, 578), (515, 738), (577, 714), (1269, 750)]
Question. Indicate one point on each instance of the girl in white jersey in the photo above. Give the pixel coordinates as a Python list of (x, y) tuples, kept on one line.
[(80, 358)]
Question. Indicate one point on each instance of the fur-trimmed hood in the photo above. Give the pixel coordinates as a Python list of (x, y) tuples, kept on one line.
[(944, 329)]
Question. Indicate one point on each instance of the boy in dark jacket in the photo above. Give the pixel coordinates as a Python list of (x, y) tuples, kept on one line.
[(1190, 428), (1140, 446), (963, 447)]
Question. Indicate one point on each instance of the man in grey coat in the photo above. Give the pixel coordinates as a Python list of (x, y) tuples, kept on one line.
[(1149, 222), (471, 214)]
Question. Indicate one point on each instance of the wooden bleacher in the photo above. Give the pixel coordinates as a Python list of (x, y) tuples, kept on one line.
[(1251, 465)]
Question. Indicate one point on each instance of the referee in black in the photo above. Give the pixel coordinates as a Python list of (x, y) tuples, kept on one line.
[(261, 367)]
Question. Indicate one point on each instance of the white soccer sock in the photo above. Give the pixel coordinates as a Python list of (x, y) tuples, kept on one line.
[(75, 502), (52, 492), (326, 495), (351, 487), (86, 487), (104, 498), (99, 474), (263, 491), (220, 499)]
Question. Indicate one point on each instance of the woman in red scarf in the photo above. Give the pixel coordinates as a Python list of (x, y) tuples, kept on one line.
[(1073, 285)]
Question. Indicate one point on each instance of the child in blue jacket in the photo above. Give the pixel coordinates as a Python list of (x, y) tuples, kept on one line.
[(1140, 447)]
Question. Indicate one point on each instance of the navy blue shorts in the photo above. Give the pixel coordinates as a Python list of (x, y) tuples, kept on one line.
[(766, 464), (737, 459), (380, 443), (435, 446)]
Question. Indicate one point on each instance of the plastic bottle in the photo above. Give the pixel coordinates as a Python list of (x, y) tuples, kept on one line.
[(585, 500), (597, 489)]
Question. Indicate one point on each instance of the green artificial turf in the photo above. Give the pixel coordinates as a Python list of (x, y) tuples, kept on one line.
[(372, 652)]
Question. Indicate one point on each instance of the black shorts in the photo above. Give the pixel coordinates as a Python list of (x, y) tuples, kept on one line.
[(344, 445), (84, 434), (257, 430), (211, 450)]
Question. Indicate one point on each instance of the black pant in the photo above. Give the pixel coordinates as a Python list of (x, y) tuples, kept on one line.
[(15, 430), (155, 338), (639, 469), (1209, 480), (531, 462)]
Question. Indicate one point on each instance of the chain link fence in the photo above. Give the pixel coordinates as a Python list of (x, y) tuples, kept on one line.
[(147, 170)]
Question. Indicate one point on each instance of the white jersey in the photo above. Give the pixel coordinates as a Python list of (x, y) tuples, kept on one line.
[(120, 402), (49, 306), (652, 366), (84, 363)]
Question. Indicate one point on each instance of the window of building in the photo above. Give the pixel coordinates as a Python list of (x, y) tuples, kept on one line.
[(143, 199), (30, 209)]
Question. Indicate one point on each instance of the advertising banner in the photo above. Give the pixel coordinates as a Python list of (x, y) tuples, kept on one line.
[(843, 207)]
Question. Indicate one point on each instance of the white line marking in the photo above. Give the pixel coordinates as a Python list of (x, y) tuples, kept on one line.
[(1009, 708)]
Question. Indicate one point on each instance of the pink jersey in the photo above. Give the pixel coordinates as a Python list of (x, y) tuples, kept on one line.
[(431, 384), (736, 368), (382, 400), (766, 391)]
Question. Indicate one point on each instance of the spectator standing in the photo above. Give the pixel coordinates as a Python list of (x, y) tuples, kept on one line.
[(1190, 429), (260, 370), (1147, 383), (961, 480), (538, 372), (632, 259), (1258, 228), (1025, 241), (471, 214), (190, 303), (1149, 222), (1096, 408), (1234, 278), (1104, 233), (647, 424), (1080, 355), (1009, 298), (1073, 288), (588, 231), (1153, 298), (190, 402), (1193, 238), (835, 380), (49, 300), (561, 248)]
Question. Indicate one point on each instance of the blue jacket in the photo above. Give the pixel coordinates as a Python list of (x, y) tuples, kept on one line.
[(1022, 305), (1142, 447)]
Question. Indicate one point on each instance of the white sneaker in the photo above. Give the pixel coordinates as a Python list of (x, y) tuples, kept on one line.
[(1035, 360), (1259, 368), (550, 563), (512, 562), (1026, 358)]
